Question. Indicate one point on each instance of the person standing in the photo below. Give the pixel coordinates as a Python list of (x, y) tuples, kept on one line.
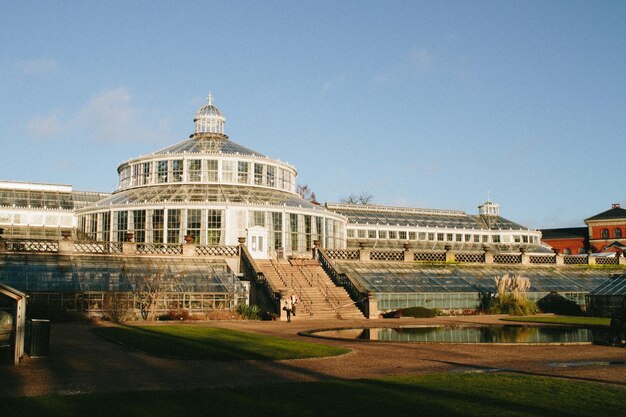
[(294, 301), (288, 308)]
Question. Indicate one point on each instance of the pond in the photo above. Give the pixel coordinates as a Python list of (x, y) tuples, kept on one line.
[(505, 334)]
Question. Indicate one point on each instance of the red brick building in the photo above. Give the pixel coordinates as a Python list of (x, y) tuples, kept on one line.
[(568, 241), (605, 232)]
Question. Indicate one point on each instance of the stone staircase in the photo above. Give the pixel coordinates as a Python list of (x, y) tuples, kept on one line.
[(319, 297)]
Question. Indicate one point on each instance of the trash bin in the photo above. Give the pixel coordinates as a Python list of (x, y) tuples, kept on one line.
[(39, 338)]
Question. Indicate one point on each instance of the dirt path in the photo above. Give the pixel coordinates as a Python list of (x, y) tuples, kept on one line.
[(80, 361)]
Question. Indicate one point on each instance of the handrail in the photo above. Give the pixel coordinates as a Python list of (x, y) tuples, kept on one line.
[(355, 290), (328, 294), (251, 269), (283, 277), (303, 297), (304, 270)]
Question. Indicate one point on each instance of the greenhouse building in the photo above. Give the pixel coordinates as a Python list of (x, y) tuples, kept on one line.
[(218, 225), (213, 191)]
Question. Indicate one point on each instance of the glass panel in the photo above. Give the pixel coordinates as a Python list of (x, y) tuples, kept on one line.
[(228, 171), (139, 224), (194, 170), (214, 227), (173, 226), (177, 170), (242, 172), (194, 222), (162, 171), (211, 170), (271, 173), (258, 174), (158, 219)]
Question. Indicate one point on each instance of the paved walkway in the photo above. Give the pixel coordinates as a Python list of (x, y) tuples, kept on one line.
[(80, 361)]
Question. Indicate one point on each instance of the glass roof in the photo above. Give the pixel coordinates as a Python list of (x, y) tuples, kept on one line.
[(205, 193), (48, 199), (28, 272), (208, 143), (85, 198), (424, 219), (615, 285), (396, 277)]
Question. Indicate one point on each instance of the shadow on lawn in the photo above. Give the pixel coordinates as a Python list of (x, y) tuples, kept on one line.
[(439, 395), (207, 343)]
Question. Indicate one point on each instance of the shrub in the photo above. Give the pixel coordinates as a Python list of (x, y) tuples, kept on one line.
[(508, 304), (416, 312), (221, 315), (198, 316), (249, 312), (54, 313), (557, 304), (180, 314)]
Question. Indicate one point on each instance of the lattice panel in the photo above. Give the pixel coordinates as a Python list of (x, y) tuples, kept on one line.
[(32, 246), (430, 256), (226, 251), (97, 247), (344, 254), (507, 259), (603, 260), (575, 260), (542, 259), (160, 248), (470, 257), (386, 255)]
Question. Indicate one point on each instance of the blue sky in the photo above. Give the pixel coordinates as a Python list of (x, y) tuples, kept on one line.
[(419, 103)]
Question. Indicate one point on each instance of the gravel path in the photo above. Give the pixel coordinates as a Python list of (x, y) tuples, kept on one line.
[(81, 362)]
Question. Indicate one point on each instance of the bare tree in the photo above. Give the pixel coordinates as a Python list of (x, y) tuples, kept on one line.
[(306, 193), (363, 198), (147, 286)]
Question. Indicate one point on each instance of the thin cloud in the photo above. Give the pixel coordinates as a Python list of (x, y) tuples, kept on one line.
[(44, 127), (418, 60), (110, 116), (421, 59), (37, 66), (330, 85)]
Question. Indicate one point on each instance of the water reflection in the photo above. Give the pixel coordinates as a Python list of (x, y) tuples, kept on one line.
[(472, 334)]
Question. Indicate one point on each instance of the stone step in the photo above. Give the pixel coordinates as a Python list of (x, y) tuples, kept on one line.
[(305, 279)]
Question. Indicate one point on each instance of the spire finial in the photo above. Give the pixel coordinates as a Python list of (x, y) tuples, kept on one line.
[(210, 98), (488, 196)]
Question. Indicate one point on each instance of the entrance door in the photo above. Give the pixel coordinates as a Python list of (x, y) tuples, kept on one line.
[(257, 242)]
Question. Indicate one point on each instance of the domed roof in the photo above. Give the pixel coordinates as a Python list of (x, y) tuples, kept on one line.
[(218, 144), (209, 119)]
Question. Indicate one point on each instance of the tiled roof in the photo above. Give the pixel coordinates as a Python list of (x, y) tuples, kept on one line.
[(565, 233), (614, 213)]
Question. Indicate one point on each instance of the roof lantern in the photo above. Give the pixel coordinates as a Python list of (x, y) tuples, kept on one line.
[(209, 119), (489, 209)]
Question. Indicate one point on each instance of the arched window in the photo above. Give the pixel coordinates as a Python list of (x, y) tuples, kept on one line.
[(581, 250), (567, 251), (617, 233), (605, 233)]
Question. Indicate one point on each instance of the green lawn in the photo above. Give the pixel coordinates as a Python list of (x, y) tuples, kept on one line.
[(581, 321), (479, 395), (197, 342)]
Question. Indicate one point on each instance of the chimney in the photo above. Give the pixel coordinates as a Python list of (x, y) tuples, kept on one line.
[(615, 205)]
